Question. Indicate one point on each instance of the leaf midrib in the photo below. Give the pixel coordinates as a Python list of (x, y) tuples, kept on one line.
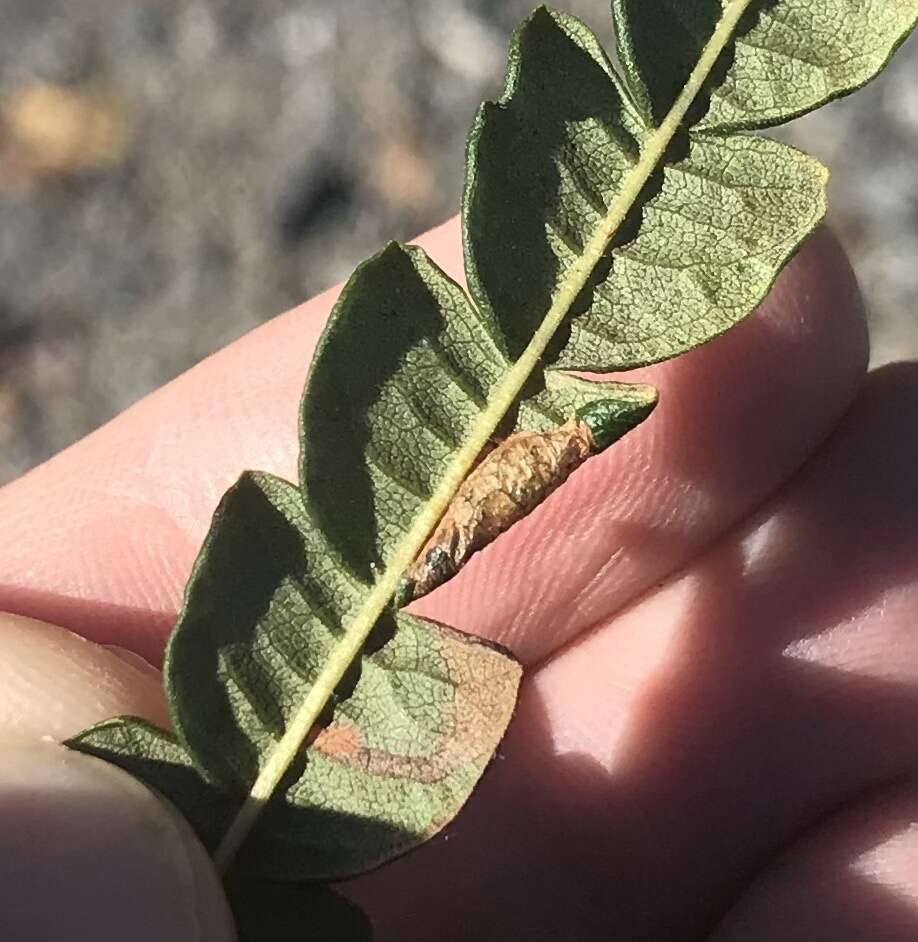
[(503, 395)]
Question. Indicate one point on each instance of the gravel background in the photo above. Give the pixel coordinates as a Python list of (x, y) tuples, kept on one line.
[(227, 160)]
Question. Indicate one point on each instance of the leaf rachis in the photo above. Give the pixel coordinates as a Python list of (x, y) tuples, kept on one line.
[(503, 396)]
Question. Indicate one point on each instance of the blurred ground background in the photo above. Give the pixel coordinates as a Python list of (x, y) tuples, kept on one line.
[(173, 172)]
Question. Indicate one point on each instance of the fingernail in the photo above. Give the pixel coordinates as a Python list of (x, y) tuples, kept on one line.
[(88, 853), (54, 683)]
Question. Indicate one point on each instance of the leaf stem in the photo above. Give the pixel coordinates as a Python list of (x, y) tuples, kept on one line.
[(503, 396)]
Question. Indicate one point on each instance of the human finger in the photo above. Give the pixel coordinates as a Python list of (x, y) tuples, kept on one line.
[(854, 877), (54, 683), (86, 851), (101, 538), (89, 854), (657, 764)]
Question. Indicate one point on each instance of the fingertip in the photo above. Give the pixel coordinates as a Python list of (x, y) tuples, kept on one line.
[(129, 505), (87, 852), (854, 877), (54, 683), (818, 300), (736, 418)]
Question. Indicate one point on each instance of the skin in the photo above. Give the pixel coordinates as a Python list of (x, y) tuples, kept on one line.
[(716, 738)]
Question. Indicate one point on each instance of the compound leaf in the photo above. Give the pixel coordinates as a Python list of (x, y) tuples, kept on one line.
[(609, 221)]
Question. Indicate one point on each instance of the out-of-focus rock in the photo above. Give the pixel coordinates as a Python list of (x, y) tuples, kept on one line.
[(258, 151), (402, 177), (52, 131)]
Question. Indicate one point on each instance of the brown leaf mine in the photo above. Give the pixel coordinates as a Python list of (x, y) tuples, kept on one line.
[(508, 484)]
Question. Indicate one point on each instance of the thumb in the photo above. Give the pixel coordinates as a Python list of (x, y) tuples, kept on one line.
[(86, 851)]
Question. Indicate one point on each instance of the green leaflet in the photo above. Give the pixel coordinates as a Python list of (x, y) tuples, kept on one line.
[(157, 759), (381, 420), (713, 239), (609, 222), (417, 721), (544, 164), (800, 55), (790, 58)]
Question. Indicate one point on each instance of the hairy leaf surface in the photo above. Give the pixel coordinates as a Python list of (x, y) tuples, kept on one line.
[(713, 239), (545, 162)]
